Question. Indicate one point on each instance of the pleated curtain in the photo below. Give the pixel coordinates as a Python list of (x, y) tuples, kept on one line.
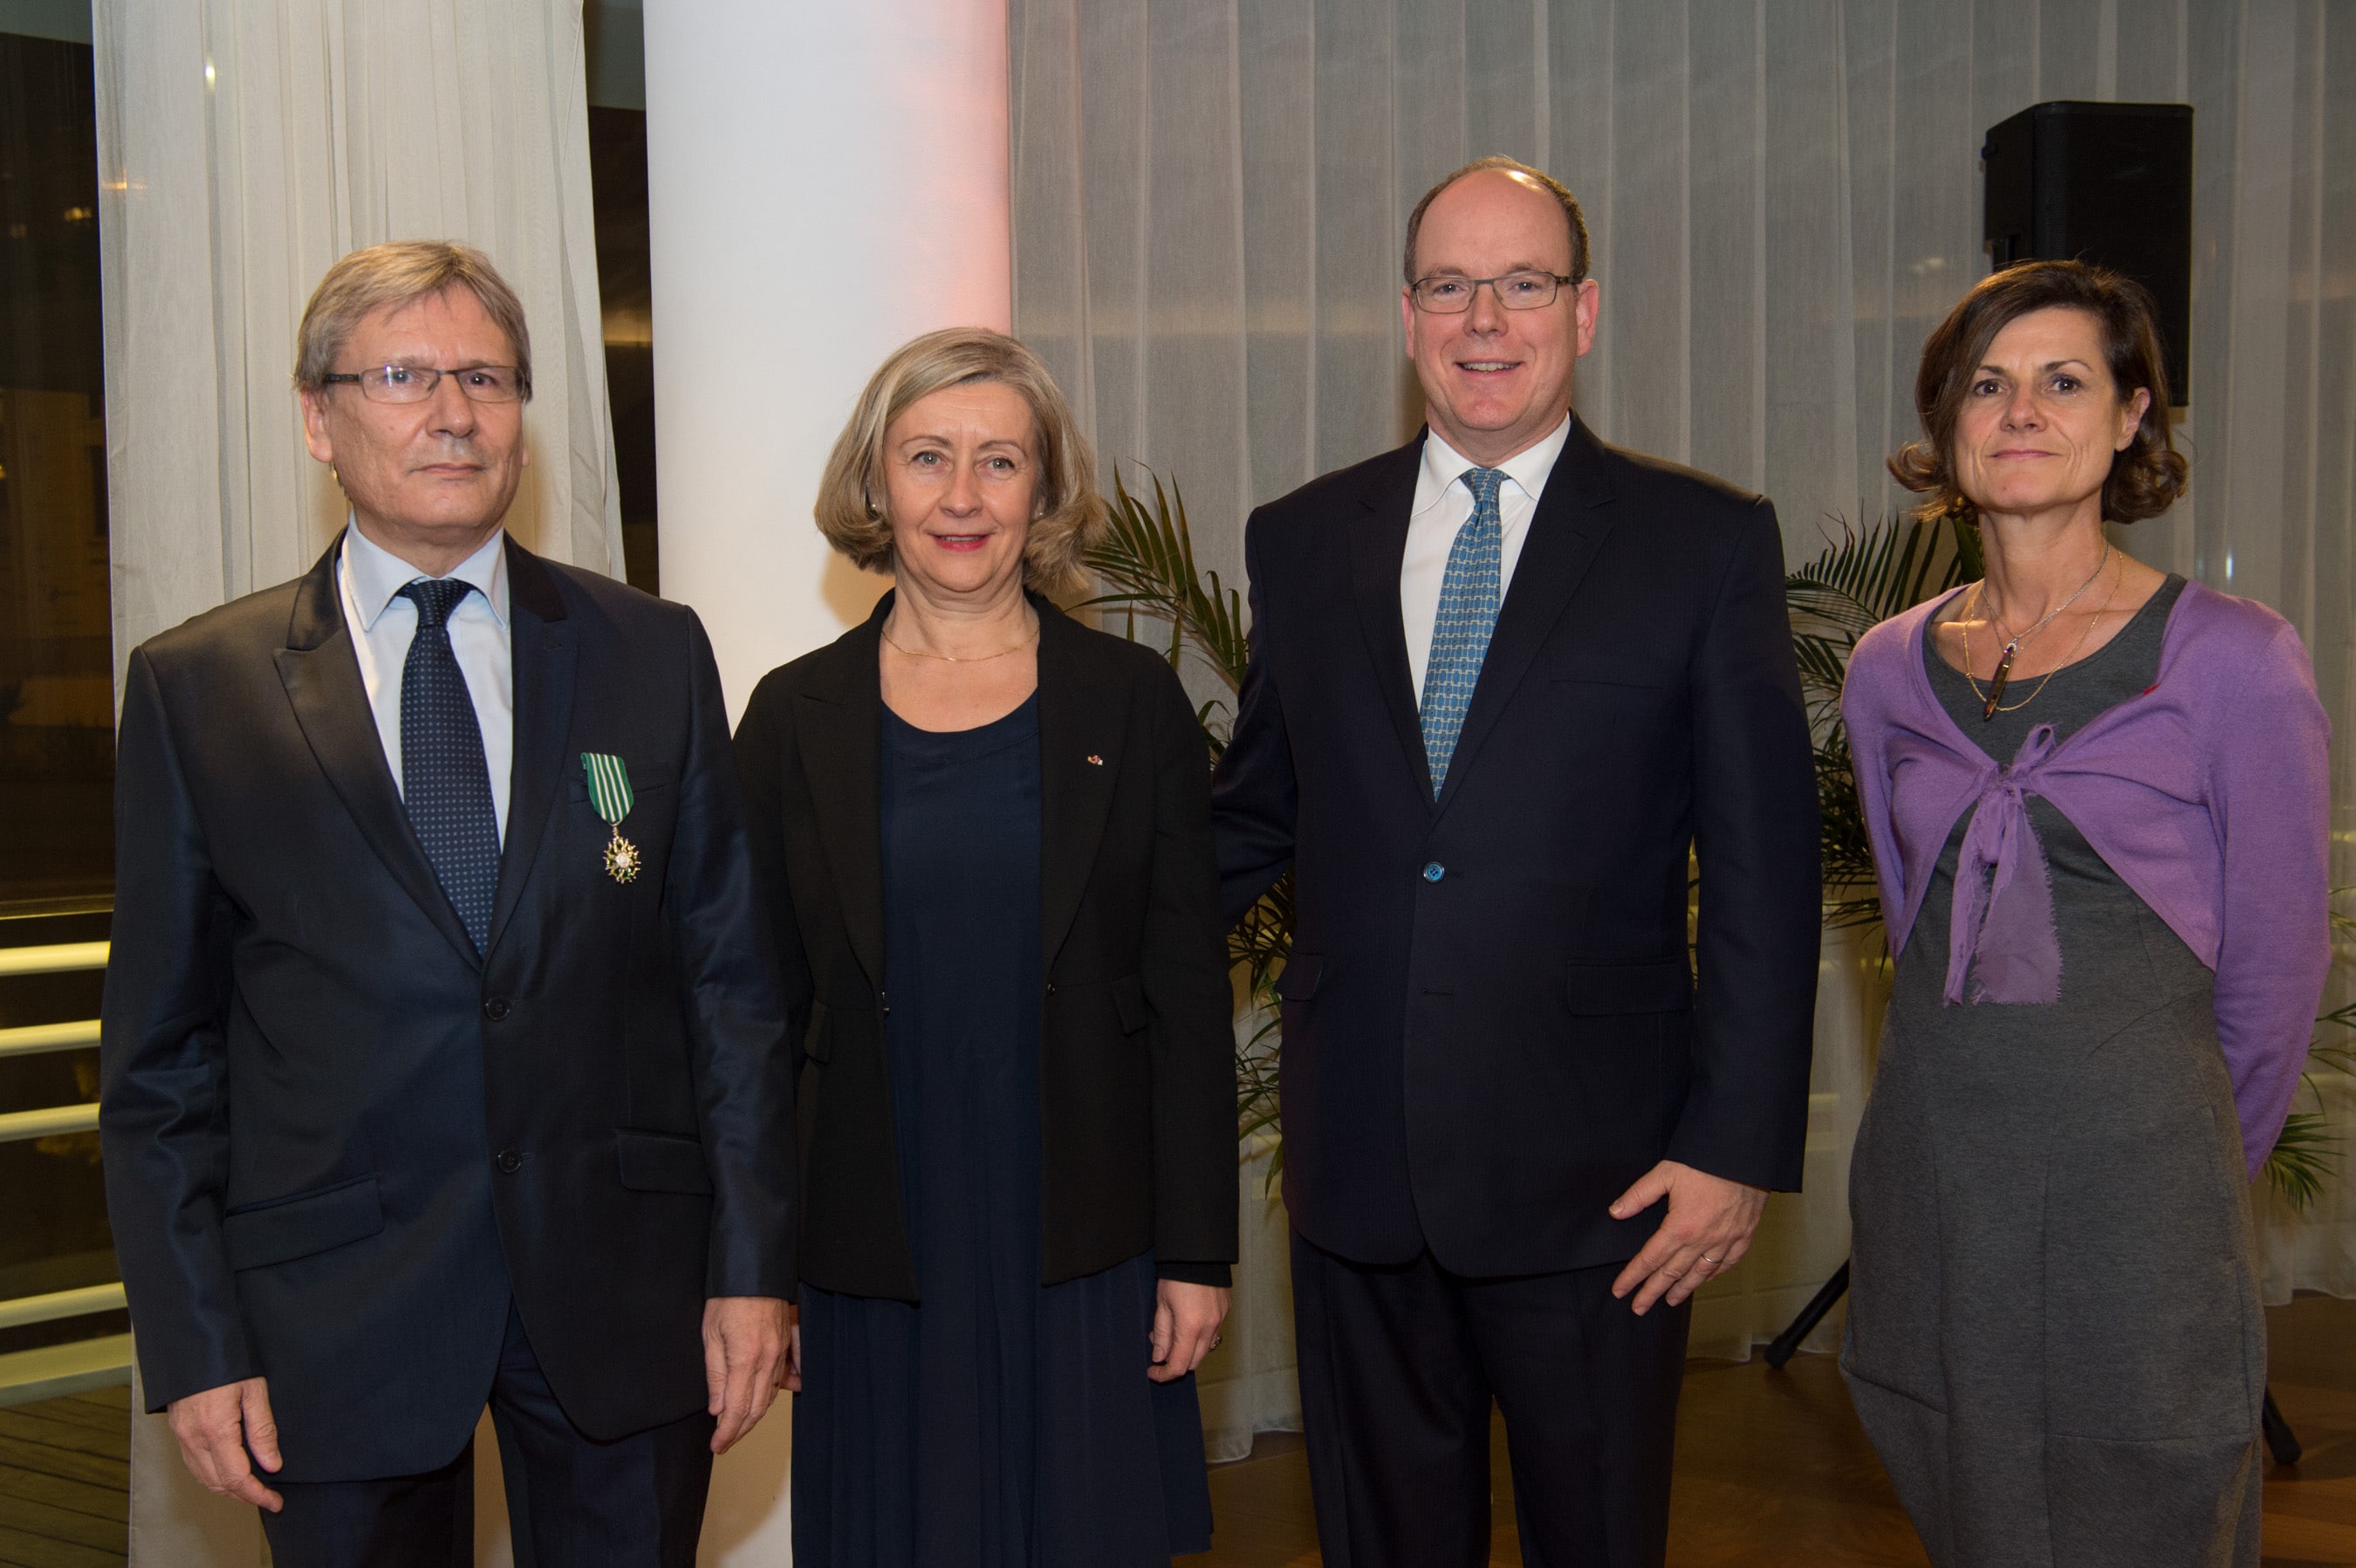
[(1785, 196), (244, 147)]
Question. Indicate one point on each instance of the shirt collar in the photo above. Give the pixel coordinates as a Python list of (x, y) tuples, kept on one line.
[(1443, 465), (376, 575)]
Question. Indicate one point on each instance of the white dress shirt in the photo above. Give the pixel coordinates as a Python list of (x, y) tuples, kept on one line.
[(371, 578), (1444, 505)]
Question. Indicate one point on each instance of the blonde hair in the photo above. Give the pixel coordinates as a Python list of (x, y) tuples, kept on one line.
[(1066, 512), (396, 273)]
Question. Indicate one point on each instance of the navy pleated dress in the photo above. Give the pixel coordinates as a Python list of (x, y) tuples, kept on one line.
[(999, 1424)]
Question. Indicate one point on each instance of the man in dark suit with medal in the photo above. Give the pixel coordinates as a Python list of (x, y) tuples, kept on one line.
[(1503, 680), (443, 1047)]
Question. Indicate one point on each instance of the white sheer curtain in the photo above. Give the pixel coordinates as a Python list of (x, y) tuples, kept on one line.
[(242, 147), (1209, 198)]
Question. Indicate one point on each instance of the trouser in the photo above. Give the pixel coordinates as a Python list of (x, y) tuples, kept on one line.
[(634, 1503), (1398, 1367)]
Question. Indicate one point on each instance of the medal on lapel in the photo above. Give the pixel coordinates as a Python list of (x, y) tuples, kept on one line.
[(609, 791)]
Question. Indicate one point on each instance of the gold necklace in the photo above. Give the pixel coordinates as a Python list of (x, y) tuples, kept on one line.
[(953, 659), (1988, 709)]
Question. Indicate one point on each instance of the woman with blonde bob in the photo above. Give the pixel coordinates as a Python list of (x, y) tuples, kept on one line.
[(983, 831), (2097, 795)]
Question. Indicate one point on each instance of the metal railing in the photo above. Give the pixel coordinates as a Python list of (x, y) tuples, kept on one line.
[(54, 1370)]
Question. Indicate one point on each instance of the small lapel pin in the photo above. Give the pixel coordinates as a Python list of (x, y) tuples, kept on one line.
[(1094, 761)]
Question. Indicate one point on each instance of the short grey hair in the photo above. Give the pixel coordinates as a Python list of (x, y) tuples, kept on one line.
[(395, 274)]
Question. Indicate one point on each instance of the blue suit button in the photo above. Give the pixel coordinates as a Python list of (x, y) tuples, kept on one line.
[(1434, 872)]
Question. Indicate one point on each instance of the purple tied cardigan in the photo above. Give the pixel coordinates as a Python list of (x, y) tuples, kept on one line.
[(2209, 794)]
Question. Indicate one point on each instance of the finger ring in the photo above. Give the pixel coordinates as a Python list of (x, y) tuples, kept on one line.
[(1707, 1259), (1216, 1340)]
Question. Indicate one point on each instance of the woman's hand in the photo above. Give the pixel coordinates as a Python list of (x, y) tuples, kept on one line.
[(1186, 1321)]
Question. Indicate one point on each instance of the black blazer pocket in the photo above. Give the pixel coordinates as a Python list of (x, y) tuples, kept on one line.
[(283, 1228), (662, 1162), (1129, 1004), (1302, 972), (1665, 985)]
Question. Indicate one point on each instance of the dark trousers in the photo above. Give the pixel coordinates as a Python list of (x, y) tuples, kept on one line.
[(1398, 1365), (634, 1503)]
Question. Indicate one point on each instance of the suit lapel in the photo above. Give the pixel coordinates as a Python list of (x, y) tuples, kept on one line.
[(322, 677), (1377, 550), (542, 656), (1573, 517), (1083, 719), (839, 730)]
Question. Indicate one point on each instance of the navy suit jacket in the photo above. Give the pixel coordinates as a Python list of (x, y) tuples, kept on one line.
[(337, 1139), (1490, 1024)]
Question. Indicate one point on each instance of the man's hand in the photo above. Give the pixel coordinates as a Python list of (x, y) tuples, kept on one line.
[(223, 1434), (743, 1358), (789, 1370), (1186, 1319), (1706, 1232)]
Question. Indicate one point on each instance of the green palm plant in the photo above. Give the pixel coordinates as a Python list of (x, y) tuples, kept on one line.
[(1146, 562)]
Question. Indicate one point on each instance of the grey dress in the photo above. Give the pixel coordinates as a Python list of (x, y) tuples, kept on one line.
[(2054, 1337)]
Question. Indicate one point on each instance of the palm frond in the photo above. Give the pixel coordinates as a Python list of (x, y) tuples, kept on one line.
[(2303, 1158), (1146, 561)]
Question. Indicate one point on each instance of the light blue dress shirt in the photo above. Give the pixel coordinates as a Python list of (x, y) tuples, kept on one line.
[(371, 578)]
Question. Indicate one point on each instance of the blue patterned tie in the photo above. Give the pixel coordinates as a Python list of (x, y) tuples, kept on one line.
[(445, 782), (1468, 614)]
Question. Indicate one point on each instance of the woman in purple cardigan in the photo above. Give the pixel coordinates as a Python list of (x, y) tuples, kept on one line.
[(2097, 795)]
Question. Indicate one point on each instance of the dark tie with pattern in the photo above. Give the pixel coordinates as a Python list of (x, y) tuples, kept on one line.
[(445, 782)]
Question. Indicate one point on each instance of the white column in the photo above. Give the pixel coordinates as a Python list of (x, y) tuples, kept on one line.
[(825, 181)]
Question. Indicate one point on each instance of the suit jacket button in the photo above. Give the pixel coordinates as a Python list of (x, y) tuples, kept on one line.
[(496, 1009), (509, 1161), (1050, 988), (1434, 872)]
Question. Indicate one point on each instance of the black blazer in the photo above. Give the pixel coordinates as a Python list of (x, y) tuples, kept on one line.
[(1490, 1024), (336, 1140), (1137, 1107)]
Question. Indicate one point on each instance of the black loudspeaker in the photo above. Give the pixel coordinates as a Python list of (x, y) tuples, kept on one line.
[(2108, 183)]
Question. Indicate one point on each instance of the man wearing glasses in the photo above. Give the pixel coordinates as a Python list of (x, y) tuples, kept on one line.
[(442, 1052), (1504, 682)]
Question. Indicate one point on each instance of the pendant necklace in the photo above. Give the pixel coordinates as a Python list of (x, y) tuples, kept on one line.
[(953, 659), (1995, 694)]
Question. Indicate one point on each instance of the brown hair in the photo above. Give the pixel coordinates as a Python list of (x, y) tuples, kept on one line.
[(1552, 186), (1066, 512), (395, 274), (2145, 476)]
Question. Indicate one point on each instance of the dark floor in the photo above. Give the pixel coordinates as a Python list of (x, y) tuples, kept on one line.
[(1773, 1472), (64, 1481)]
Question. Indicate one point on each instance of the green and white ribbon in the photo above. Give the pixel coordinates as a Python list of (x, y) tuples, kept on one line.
[(610, 786)]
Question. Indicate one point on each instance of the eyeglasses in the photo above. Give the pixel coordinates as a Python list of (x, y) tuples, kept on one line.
[(415, 383), (1445, 294)]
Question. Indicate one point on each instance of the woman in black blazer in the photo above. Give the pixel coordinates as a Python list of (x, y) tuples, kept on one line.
[(984, 836)]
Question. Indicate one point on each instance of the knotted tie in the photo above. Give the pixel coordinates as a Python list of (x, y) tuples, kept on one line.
[(445, 782), (1468, 614)]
